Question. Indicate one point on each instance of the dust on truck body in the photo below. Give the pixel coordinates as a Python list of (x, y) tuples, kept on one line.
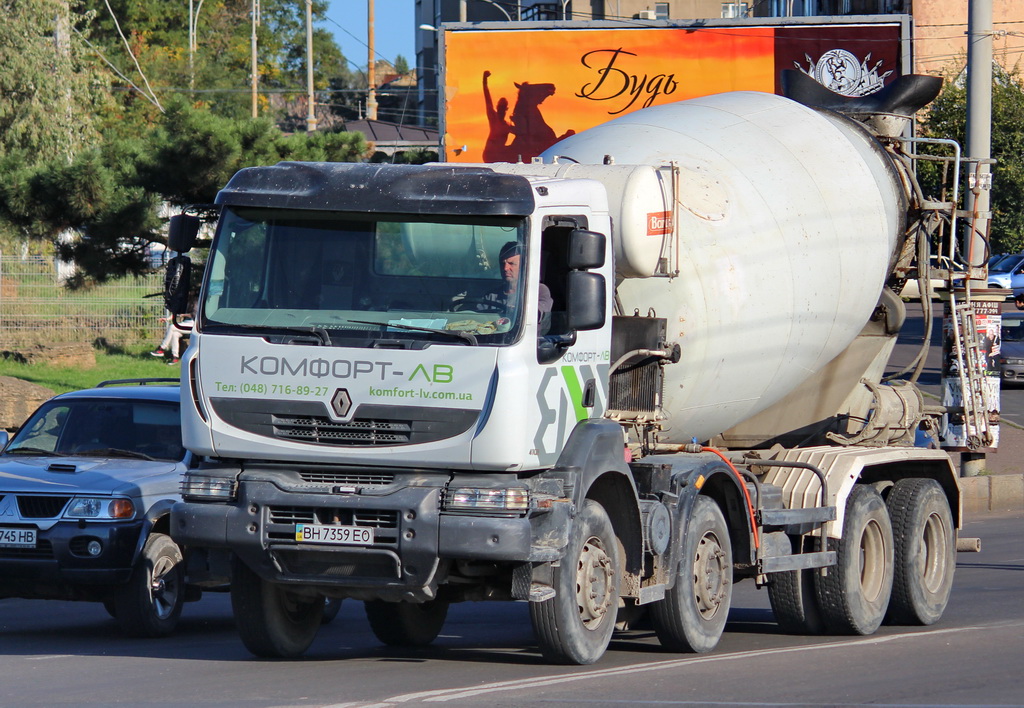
[(700, 405)]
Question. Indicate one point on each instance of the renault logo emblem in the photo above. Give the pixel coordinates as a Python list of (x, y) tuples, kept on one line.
[(341, 403), (7, 506)]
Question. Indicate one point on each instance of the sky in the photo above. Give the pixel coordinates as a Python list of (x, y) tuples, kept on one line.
[(394, 29)]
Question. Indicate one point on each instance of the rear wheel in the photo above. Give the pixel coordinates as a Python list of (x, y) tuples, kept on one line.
[(149, 605), (692, 616), (795, 601), (272, 621), (854, 595), (925, 555), (406, 624), (575, 626)]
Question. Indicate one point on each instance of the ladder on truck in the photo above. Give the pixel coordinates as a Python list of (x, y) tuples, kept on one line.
[(971, 373)]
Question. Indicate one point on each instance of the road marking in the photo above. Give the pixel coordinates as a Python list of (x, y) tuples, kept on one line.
[(50, 656), (445, 695)]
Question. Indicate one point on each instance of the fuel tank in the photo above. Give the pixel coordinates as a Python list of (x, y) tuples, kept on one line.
[(777, 235)]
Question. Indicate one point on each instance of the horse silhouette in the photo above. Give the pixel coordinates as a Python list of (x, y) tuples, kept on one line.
[(532, 134)]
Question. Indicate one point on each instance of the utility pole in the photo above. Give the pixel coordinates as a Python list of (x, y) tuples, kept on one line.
[(979, 149), (979, 122), (255, 68), (371, 79), (311, 114)]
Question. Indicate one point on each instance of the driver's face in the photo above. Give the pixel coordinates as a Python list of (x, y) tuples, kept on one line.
[(510, 269)]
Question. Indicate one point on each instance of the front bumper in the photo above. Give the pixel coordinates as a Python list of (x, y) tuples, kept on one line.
[(414, 541), (1012, 373), (59, 565)]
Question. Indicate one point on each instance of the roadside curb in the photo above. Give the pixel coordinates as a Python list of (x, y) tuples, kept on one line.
[(997, 492)]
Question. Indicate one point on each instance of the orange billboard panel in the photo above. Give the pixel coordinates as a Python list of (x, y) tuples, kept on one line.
[(512, 94), (509, 94)]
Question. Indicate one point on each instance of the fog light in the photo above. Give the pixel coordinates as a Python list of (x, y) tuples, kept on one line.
[(200, 486), (474, 499), (94, 548)]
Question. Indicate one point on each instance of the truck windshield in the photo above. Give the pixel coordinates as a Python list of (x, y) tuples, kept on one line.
[(352, 280)]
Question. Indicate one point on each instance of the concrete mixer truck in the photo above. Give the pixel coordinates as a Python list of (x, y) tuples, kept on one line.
[(611, 383)]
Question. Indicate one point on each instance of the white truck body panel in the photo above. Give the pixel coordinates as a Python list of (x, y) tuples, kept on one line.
[(787, 220)]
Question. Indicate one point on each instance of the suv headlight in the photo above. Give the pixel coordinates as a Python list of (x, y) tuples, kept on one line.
[(100, 508), (208, 487), (486, 500)]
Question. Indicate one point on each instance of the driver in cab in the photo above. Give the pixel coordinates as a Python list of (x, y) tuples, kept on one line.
[(505, 295)]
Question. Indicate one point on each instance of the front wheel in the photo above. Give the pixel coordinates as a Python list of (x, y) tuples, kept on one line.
[(406, 624), (149, 605), (854, 595), (692, 616), (575, 626), (272, 621), (922, 526)]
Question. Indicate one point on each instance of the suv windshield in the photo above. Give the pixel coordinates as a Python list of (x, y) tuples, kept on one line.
[(1006, 263), (106, 428), (354, 280)]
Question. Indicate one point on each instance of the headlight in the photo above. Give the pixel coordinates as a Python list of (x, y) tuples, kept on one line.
[(100, 508), (208, 487), (475, 499), (1012, 362)]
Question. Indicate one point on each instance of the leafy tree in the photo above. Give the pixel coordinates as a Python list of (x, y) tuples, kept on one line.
[(947, 118), (50, 92), (217, 73), (111, 195)]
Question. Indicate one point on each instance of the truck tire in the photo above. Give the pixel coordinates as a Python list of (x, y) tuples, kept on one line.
[(273, 622), (794, 601), (575, 626), (925, 554), (692, 616), (854, 595), (149, 605), (332, 605), (406, 624)]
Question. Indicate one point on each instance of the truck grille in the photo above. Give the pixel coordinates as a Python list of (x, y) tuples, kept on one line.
[(372, 425), (41, 507), (349, 479), (320, 429)]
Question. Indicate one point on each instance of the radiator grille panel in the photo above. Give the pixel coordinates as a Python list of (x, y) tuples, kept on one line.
[(41, 507)]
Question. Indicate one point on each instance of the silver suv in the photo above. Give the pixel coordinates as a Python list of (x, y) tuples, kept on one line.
[(86, 488)]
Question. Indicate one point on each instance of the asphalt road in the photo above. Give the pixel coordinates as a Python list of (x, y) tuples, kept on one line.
[(71, 654)]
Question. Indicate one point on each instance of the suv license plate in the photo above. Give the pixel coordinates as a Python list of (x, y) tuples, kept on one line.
[(339, 535), (17, 538)]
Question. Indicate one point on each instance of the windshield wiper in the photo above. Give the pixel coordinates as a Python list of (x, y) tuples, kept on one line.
[(465, 336), (319, 332), (32, 451), (113, 452)]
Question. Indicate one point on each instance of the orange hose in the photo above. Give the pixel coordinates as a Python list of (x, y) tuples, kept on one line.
[(746, 493)]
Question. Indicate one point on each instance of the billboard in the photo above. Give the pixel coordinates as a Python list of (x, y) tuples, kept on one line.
[(510, 91)]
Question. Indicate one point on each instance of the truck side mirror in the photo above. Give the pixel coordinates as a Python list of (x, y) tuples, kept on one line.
[(182, 232), (177, 280), (586, 250), (585, 300)]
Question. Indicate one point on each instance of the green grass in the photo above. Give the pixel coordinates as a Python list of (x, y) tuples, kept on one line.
[(128, 363)]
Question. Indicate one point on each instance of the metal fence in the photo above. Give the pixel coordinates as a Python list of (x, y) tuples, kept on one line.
[(35, 307)]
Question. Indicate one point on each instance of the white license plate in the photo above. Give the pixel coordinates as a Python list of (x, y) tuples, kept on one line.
[(340, 535), (17, 538)]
